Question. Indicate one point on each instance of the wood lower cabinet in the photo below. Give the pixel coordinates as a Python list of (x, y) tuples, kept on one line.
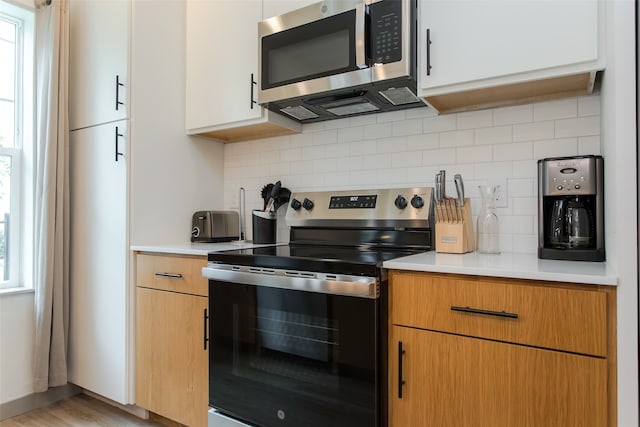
[(489, 365), (171, 338)]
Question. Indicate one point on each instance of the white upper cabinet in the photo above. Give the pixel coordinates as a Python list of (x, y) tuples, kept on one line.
[(476, 44), (222, 66), (98, 61), (278, 7)]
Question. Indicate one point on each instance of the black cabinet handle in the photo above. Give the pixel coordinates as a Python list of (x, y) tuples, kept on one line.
[(400, 379), (428, 52), (118, 135), (484, 312), (118, 84), (206, 323), (172, 275), (253, 83)]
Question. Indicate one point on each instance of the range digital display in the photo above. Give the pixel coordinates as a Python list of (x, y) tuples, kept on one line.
[(353, 202)]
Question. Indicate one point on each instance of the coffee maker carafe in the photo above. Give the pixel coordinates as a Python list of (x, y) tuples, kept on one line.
[(571, 208)]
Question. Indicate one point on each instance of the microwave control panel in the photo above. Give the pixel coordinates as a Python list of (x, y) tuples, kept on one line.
[(386, 31)]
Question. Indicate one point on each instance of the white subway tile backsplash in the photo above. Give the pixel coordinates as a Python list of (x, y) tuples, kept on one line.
[(493, 135), (427, 141), (513, 115), (582, 126), (406, 159), (407, 127), (439, 157), (407, 148), (589, 106), (378, 130), (534, 131), (515, 151), (474, 154), (555, 148), (458, 138), (553, 110), (589, 145), (442, 123), (475, 119)]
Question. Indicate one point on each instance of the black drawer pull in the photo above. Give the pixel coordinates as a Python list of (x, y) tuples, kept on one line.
[(400, 379), (172, 275), (428, 52), (118, 85), (206, 321), (485, 312)]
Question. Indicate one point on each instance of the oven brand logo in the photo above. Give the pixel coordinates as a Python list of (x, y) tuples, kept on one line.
[(281, 414)]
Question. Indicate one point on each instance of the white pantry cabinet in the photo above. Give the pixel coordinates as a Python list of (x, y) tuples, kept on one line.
[(489, 51), (272, 8), (221, 71), (99, 322), (98, 61)]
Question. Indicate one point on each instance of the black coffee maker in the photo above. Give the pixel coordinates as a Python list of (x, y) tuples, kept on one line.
[(571, 208)]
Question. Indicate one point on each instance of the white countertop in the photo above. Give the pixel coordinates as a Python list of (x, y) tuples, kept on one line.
[(513, 265), (198, 248)]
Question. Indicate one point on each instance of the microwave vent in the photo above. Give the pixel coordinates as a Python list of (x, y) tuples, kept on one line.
[(400, 96), (299, 112), (358, 108)]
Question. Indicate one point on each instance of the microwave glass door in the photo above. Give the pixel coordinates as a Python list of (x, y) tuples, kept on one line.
[(282, 357), (318, 49)]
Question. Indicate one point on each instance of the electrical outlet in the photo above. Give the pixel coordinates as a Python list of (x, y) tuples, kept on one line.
[(501, 191)]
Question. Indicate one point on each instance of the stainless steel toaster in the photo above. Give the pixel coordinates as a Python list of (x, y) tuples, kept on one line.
[(215, 226)]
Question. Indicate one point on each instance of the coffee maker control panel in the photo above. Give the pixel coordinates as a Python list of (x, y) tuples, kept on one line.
[(574, 176)]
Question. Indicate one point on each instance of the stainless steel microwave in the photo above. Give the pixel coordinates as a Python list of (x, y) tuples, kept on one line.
[(339, 58)]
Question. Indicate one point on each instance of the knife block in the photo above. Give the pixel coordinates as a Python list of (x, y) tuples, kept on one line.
[(454, 235)]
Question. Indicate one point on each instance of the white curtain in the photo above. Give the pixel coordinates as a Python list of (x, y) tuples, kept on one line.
[(51, 263)]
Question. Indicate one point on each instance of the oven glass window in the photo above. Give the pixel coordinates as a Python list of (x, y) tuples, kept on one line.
[(292, 358), (318, 49)]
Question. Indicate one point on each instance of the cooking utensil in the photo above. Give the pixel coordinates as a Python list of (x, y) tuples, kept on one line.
[(266, 195), (438, 197), (272, 197)]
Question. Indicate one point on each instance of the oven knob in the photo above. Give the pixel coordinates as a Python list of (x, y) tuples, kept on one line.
[(295, 204), (307, 204), (400, 202), (577, 186), (417, 201), (559, 187)]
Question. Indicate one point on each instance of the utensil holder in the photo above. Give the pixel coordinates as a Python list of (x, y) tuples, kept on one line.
[(264, 226), (454, 227)]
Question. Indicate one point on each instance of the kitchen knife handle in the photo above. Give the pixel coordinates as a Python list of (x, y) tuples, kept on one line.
[(253, 83), (118, 84), (428, 52), (171, 275), (484, 312), (400, 379), (206, 323), (457, 179), (118, 135)]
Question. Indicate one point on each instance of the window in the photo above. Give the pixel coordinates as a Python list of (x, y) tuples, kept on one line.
[(16, 111)]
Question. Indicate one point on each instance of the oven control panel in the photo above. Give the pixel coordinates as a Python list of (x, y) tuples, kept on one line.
[(393, 207)]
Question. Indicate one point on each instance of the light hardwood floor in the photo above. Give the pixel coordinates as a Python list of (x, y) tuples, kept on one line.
[(81, 411)]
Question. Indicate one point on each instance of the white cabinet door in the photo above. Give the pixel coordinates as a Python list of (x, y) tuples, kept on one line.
[(99, 321), (278, 7), (222, 54), (473, 40), (99, 54)]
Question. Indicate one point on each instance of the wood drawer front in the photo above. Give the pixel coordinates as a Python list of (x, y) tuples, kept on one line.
[(172, 273), (552, 317)]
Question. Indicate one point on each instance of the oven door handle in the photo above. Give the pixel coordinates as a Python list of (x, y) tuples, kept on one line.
[(356, 286)]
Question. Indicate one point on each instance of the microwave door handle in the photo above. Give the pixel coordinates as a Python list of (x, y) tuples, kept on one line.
[(361, 60)]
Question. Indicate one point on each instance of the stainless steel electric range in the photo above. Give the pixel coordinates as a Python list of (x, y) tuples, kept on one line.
[(298, 331)]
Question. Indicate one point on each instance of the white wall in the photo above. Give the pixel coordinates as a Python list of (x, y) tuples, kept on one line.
[(16, 346), (407, 148)]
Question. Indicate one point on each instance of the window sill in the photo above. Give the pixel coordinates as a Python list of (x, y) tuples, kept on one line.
[(15, 291)]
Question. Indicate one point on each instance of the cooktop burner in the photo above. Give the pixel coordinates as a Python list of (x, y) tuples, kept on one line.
[(328, 259)]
